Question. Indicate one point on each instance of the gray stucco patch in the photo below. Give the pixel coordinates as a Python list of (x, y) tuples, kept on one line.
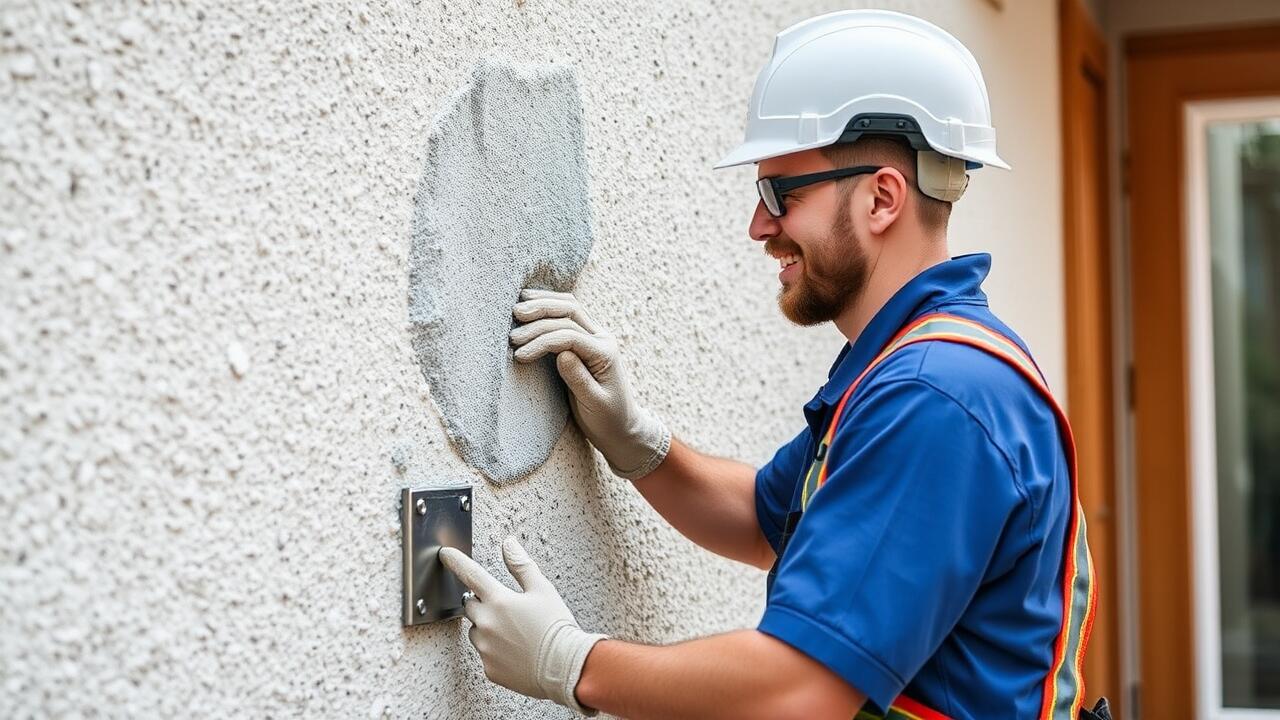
[(502, 205)]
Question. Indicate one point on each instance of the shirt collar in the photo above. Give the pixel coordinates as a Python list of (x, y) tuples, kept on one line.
[(957, 279)]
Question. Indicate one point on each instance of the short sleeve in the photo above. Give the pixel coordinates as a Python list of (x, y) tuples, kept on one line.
[(775, 485), (893, 547)]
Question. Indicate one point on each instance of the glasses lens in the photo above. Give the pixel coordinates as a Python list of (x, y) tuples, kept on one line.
[(771, 201)]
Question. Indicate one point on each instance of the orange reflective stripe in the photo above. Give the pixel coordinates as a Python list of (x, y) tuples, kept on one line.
[(936, 326), (912, 710), (1064, 684), (904, 708)]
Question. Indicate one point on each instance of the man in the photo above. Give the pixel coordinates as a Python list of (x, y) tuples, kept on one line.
[(923, 537)]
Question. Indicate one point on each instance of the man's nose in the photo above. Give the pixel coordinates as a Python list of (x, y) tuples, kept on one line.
[(763, 225)]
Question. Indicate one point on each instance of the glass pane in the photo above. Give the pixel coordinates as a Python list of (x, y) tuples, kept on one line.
[(1244, 216)]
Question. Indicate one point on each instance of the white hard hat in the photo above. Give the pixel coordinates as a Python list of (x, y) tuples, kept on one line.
[(836, 77)]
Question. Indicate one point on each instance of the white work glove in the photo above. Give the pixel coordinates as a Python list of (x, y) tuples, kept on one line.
[(528, 641), (632, 439)]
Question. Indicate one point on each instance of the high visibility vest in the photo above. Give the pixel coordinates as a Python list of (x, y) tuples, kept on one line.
[(1064, 684)]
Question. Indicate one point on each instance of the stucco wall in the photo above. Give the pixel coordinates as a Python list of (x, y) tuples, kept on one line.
[(209, 396)]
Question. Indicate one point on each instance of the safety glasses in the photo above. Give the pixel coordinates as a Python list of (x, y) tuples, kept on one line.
[(773, 189)]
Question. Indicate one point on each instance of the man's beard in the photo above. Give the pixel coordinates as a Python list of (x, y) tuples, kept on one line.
[(833, 275)]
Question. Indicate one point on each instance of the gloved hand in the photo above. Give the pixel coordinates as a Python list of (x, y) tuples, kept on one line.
[(632, 439), (528, 641)]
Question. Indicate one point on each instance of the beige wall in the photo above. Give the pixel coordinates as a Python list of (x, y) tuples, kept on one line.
[(1017, 215), (1124, 16)]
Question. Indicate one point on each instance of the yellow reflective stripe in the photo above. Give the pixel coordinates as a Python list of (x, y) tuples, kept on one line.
[(811, 478)]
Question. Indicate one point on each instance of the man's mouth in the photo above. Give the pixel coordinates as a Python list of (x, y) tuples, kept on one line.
[(787, 260), (790, 267)]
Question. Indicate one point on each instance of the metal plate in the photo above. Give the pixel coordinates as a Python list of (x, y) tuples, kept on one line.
[(430, 519)]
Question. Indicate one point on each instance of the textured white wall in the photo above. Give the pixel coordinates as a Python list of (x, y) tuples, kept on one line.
[(209, 396)]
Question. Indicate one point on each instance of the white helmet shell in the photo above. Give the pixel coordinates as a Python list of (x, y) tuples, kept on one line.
[(833, 72)]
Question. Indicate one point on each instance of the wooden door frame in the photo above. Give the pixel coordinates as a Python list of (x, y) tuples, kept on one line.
[(1163, 72), (1086, 254)]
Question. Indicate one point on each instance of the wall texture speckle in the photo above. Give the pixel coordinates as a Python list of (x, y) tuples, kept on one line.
[(210, 391), (503, 205)]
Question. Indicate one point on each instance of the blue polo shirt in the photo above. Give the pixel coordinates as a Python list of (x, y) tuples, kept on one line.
[(930, 563)]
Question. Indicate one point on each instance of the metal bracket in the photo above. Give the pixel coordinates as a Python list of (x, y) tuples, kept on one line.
[(429, 519)]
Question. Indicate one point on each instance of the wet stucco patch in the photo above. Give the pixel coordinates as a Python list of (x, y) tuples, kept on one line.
[(503, 204)]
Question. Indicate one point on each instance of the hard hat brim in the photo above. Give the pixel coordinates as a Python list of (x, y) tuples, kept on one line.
[(754, 152)]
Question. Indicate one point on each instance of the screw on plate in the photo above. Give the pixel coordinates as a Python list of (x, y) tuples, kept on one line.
[(465, 503), (422, 606), (422, 506)]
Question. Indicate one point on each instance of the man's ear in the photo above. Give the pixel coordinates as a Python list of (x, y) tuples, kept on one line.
[(889, 190)]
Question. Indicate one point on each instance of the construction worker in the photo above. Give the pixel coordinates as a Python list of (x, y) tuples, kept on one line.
[(924, 540)]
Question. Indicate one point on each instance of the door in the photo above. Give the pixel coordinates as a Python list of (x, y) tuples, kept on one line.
[(1232, 254), (1202, 475), (1087, 284)]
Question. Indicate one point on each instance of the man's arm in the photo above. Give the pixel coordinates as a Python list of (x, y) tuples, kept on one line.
[(711, 501), (744, 674), (530, 642)]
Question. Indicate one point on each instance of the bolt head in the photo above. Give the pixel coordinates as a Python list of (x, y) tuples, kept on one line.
[(422, 606), (422, 506), (465, 503)]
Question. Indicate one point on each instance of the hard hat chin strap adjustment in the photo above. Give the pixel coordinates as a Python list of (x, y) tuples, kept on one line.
[(939, 176)]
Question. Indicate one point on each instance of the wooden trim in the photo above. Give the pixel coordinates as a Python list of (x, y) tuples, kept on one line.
[(1240, 37), (1089, 311), (1162, 76)]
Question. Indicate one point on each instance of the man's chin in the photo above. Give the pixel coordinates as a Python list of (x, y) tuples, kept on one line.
[(802, 306), (795, 307)]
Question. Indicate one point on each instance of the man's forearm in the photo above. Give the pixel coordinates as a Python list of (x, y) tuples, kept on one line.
[(742, 675), (709, 500)]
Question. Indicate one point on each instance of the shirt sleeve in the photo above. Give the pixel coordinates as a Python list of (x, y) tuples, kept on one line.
[(775, 485), (893, 547)]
